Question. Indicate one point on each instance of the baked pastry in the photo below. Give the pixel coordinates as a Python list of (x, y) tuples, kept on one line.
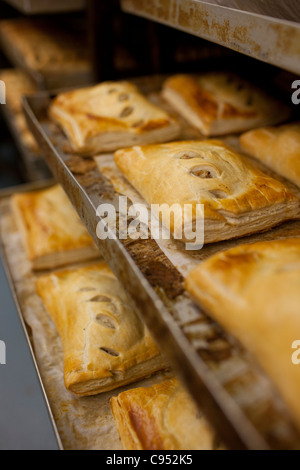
[(17, 84), (109, 116), (161, 417), (52, 232), (105, 343), (253, 291), (238, 199), (41, 47), (220, 103), (276, 147)]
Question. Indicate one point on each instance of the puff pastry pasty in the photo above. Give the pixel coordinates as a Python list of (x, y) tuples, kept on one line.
[(105, 343), (161, 417), (276, 147), (253, 291), (238, 199), (52, 232), (221, 103), (109, 116)]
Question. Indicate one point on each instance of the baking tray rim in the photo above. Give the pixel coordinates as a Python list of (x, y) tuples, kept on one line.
[(4, 194)]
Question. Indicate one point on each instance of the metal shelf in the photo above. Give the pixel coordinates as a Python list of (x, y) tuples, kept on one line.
[(272, 40)]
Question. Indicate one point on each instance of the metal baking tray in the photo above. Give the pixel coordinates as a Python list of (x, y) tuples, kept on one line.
[(84, 423), (234, 394), (33, 163), (50, 436), (32, 7), (272, 40)]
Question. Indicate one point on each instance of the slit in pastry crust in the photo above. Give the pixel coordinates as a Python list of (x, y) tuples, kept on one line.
[(105, 343), (238, 199), (221, 103), (109, 116)]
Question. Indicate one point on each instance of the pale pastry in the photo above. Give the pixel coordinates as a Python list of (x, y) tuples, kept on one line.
[(109, 116), (52, 232), (276, 147), (238, 199), (253, 291), (161, 417), (219, 103), (105, 343)]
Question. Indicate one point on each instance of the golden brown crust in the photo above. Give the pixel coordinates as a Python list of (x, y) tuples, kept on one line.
[(276, 147), (52, 232), (238, 199), (220, 103), (105, 343), (161, 417), (253, 291), (109, 116)]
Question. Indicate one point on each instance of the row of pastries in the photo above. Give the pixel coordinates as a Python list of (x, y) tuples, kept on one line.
[(252, 290), (105, 343)]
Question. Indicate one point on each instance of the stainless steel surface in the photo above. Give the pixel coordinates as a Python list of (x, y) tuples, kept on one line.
[(26, 420), (271, 40), (47, 6), (286, 10), (245, 409)]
